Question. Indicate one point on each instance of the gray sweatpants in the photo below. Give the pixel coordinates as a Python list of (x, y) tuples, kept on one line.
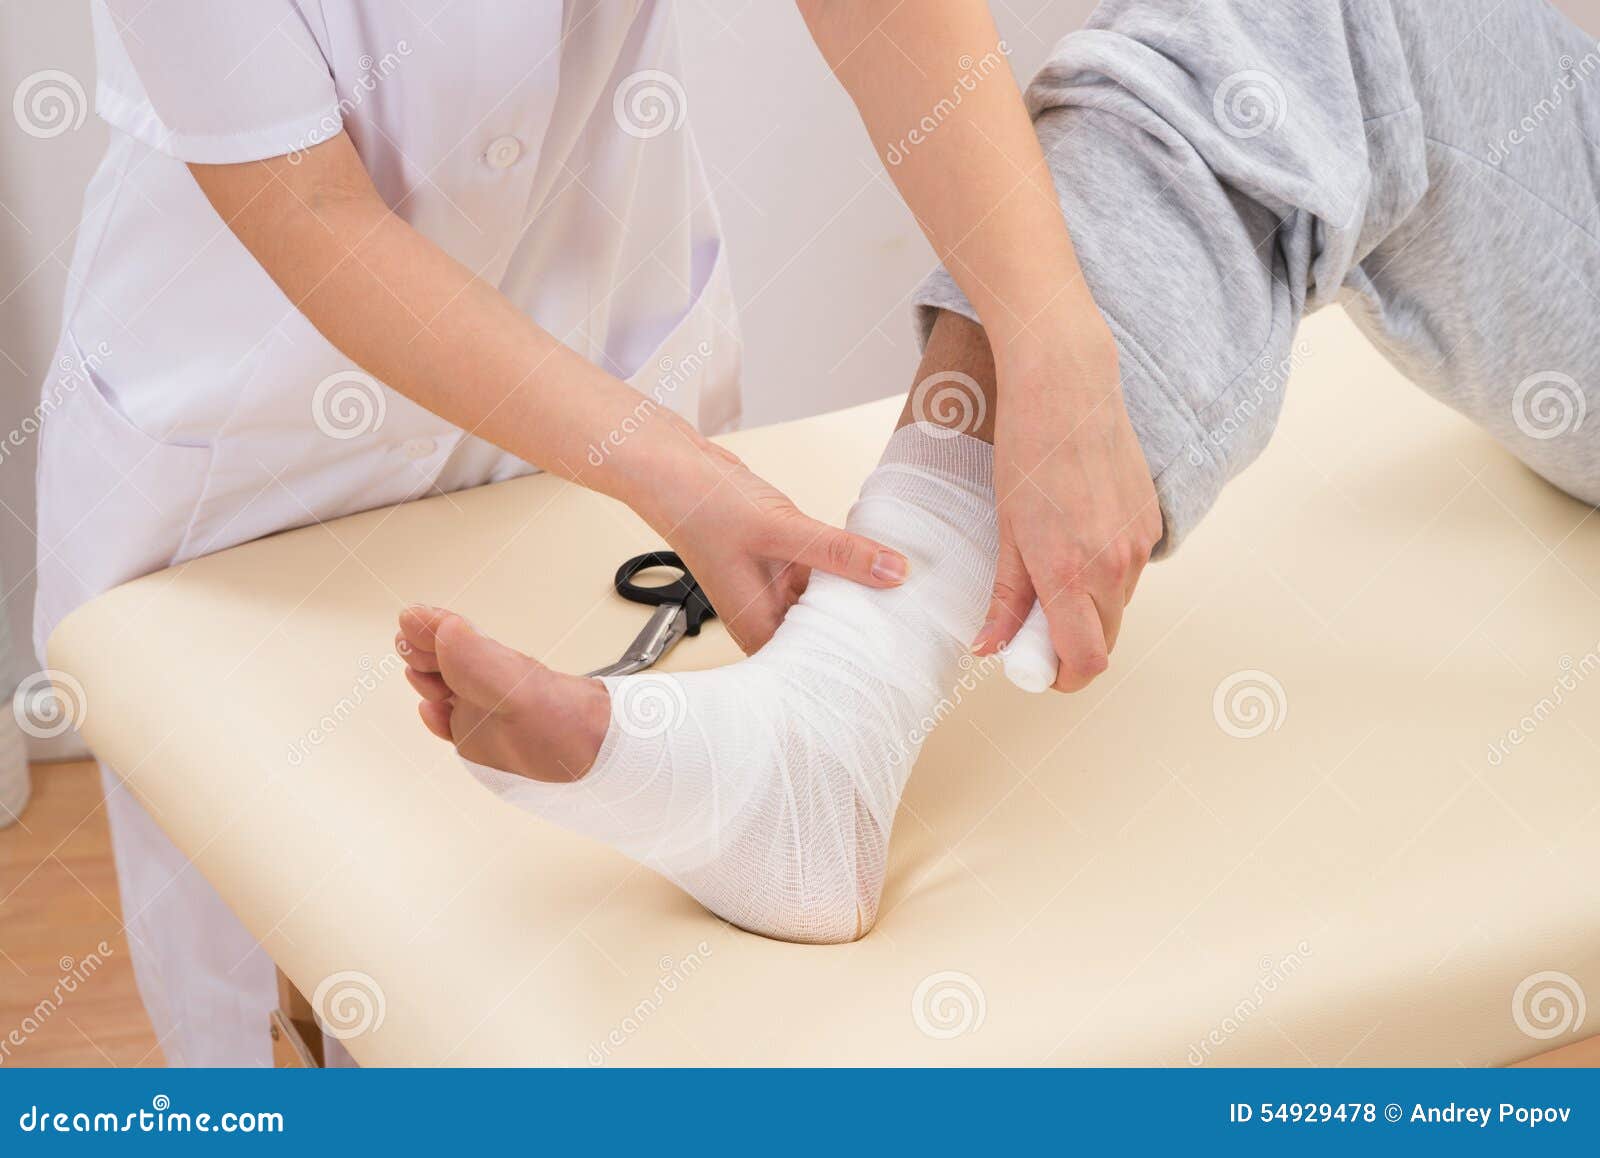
[(1224, 166)]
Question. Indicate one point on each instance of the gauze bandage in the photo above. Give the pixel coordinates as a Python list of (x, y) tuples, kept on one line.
[(1030, 657), (767, 789)]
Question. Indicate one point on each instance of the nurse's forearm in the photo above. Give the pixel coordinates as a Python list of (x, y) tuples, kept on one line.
[(1077, 509), (936, 93), (409, 314)]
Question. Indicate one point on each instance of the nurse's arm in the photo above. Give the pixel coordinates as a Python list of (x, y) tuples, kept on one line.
[(412, 316), (1078, 511), (409, 314)]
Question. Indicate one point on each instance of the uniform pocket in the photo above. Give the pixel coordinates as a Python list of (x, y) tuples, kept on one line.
[(695, 368), (114, 503)]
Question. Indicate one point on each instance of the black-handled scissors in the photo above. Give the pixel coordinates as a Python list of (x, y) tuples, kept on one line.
[(680, 608)]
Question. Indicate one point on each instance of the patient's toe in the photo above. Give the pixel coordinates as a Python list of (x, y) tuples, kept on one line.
[(436, 718), (428, 685), (416, 658), (502, 708), (417, 626), (479, 668)]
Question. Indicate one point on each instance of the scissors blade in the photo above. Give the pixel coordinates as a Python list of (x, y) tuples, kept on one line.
[(667, 625)]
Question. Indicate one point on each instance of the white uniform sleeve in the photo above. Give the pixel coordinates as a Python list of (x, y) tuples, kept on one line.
[(213, 81)]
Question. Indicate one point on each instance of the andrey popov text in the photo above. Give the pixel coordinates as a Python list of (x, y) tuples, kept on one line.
[(1449, 1114)]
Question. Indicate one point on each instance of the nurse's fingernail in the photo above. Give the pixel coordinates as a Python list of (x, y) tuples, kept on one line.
[(984, 643), (889, 567)]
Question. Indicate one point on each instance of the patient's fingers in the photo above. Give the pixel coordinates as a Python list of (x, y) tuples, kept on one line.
[(1011, 602), (1110, 607), (1079, 637)]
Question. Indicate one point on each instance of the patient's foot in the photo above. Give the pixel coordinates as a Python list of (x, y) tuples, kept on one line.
[(496, 705), (765, 789)]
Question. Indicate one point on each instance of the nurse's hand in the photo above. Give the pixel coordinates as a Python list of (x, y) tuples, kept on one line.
[(1078, 511), (749, 546)]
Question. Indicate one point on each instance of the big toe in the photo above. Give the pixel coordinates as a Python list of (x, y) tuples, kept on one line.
[(512, 712), (479, 668)]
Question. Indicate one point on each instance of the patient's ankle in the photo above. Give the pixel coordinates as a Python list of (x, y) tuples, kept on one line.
[(955, 385)]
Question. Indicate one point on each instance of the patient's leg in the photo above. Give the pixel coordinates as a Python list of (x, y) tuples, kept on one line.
[(1216, 184), (766, 789)]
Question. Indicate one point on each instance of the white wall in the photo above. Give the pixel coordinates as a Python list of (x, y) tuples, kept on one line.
[(41, 190), (824, 255)]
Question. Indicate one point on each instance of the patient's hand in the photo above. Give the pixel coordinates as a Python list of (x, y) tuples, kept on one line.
[(749, 546), (1078, 510)]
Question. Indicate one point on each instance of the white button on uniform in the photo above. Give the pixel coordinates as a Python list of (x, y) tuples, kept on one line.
[(417, 448), (503, 152)]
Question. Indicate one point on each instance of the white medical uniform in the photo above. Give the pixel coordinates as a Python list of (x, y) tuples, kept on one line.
[(541, 144)]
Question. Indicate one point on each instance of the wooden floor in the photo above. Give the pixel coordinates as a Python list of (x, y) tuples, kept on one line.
[(69, 1002)]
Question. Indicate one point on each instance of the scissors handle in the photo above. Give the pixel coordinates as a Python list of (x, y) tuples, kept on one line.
[(683, 591)]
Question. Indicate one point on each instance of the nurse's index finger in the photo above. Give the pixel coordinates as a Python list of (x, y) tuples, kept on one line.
[(850, 556)]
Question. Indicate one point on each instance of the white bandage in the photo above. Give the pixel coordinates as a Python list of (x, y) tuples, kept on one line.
[(1030, 657), (767, 789)]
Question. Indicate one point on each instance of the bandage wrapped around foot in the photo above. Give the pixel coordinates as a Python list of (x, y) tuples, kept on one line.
[(767, 789)]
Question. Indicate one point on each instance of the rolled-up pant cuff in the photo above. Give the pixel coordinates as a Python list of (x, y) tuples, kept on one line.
[(1218, 178), (1186, 473)]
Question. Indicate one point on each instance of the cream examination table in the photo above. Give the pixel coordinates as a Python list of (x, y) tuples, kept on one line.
[(1114, 877)]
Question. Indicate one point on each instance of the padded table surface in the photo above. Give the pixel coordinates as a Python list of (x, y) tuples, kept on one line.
[(1143, 873)]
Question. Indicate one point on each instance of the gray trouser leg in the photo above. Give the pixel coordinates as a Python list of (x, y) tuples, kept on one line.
[(1223, 167)]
